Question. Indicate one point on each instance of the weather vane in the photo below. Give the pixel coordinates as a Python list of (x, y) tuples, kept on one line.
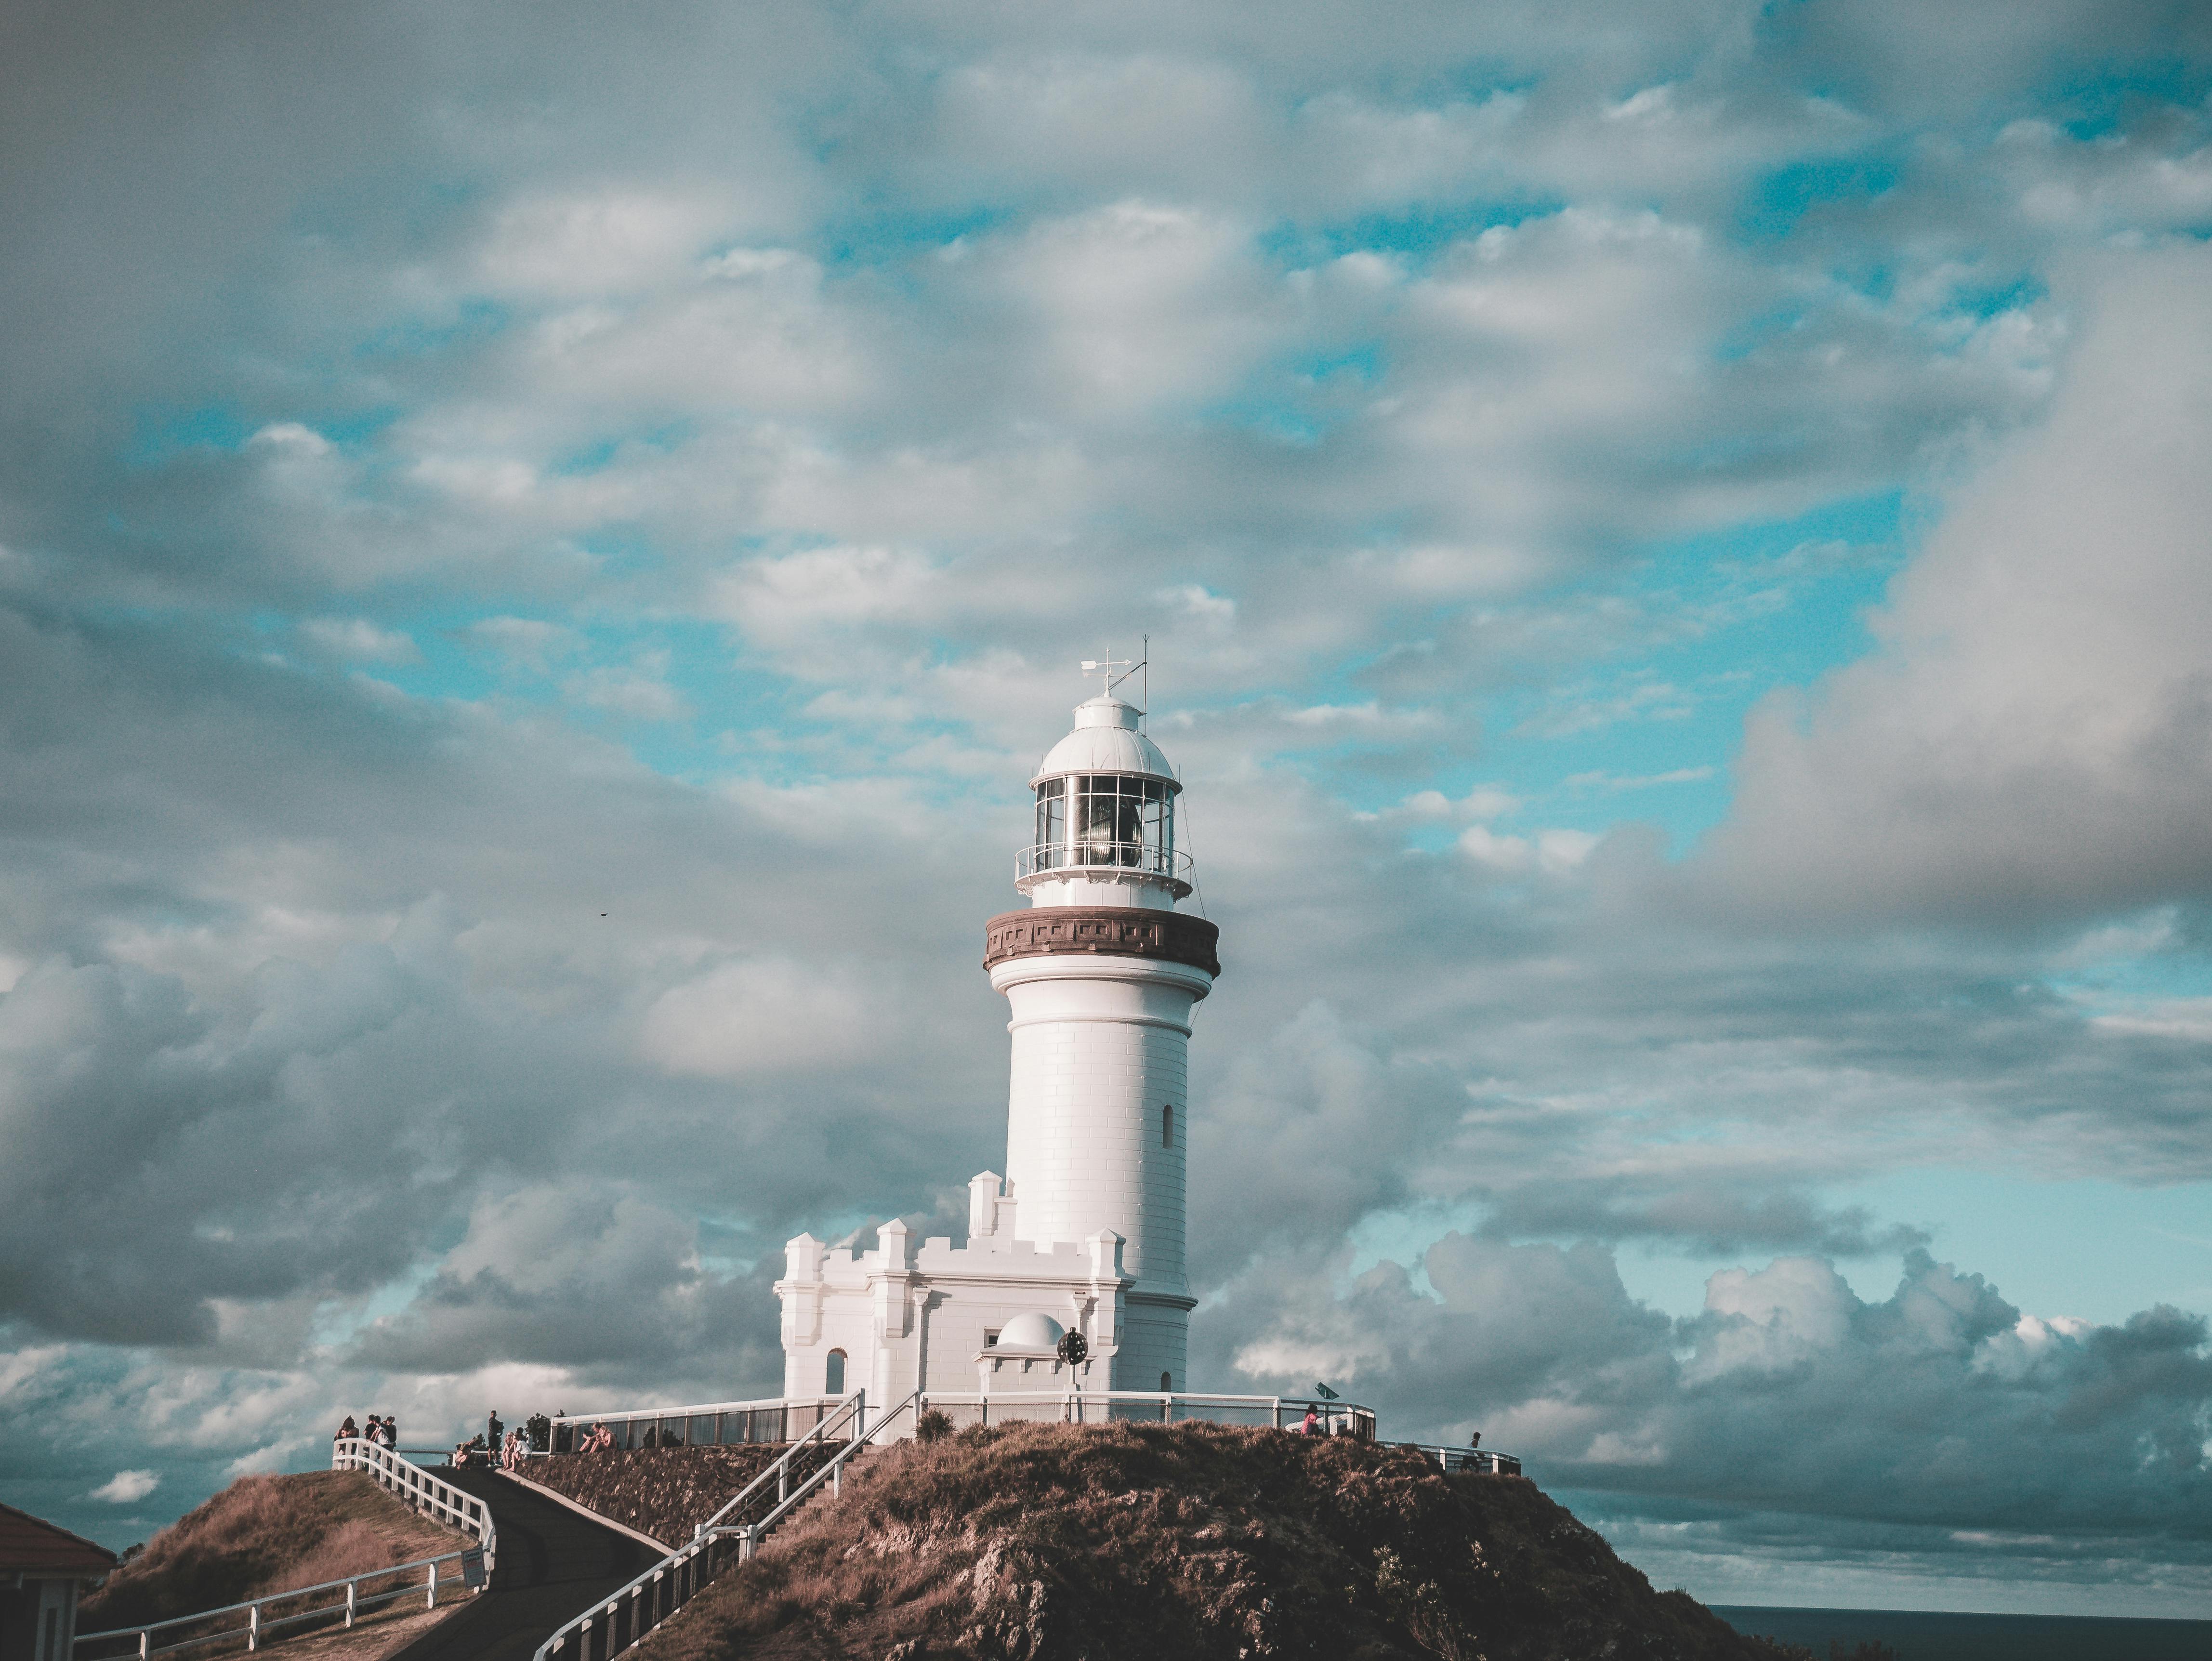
[(1104, 668)]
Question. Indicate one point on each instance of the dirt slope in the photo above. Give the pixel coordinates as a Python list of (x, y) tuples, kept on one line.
[(264, 1534), (1153, 1543)]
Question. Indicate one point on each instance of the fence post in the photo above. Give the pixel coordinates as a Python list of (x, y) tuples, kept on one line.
[(431, 1581), (352, 1587), (145, 1645), (253, 1627)]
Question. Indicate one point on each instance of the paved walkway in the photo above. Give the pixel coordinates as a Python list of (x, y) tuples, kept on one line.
[(553, 1565)]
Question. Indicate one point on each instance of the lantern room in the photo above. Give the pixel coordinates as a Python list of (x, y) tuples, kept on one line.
[(1105, 816)]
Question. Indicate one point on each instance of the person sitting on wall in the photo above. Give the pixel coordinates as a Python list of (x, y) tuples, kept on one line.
[(347, 1432)]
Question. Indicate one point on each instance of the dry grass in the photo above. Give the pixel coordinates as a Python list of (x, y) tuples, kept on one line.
[(1153, 1543), (263, 1535), (667, 1492)]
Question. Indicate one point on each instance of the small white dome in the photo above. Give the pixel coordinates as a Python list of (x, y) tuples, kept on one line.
[(1105, 740), (1035, 1330)]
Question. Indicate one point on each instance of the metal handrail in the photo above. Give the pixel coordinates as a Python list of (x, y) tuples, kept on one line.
[(1489, 1460), (678, 1578), (783, 1405), (255, 1627), (420, 1489), (1075, 1402), (1077, 857)]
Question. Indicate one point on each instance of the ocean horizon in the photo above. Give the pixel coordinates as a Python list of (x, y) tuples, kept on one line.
[(1933, 1636)]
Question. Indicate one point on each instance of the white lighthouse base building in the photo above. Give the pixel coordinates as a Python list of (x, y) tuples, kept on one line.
[(984, 1317)]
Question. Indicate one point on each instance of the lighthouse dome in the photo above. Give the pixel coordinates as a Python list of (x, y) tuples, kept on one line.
[(1034, 1330), (1106, 740)]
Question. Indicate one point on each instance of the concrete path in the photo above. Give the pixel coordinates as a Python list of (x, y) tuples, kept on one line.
[(554, 1563)]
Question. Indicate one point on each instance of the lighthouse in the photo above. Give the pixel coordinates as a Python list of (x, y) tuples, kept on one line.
[(1102, 974), (1072, 1277)]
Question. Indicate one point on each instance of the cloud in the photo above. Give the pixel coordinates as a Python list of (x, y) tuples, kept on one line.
[(359, 641), (2027, 741), (775, 403), (127, 1487), (1939, 1409)]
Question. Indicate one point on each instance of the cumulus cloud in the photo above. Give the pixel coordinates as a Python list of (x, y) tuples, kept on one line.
[(1939, 1410), (2029, 739), (127, 1487)]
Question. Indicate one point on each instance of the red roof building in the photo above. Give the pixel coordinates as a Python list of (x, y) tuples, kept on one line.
[(41, 1570)]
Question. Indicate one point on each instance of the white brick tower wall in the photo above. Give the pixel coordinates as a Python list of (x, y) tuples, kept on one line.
[(1102, 974)]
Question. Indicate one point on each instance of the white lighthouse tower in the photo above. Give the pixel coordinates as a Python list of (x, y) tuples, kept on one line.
[(1082, 1237), (1101, 972)]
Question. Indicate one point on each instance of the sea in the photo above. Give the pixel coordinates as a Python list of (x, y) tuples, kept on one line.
[(1923, 1636)]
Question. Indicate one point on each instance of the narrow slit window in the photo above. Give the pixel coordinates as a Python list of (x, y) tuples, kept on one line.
[(1167, 1126), (834, 1379)]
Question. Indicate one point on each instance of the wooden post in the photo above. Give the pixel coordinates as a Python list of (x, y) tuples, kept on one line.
[(145, 1645), (431, 1581), (253, 1627), (352, 1587)]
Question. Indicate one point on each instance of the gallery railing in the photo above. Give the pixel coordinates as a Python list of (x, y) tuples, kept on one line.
[(1075, 857)]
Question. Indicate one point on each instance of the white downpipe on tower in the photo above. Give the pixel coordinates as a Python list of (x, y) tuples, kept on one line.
[(1102, 973)]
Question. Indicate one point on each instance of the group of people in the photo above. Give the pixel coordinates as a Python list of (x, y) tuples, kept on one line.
[(597, 1438), (382, 1429)]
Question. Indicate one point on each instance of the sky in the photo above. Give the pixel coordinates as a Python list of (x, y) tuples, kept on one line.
[(539, 546)]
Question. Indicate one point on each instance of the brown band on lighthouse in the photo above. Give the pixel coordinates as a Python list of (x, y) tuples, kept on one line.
[(1125, 931)]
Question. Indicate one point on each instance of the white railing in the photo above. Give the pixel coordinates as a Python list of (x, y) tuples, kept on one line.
[(1491, 1463), (419, 1488), (1099, 1407), (714, 1424), (710, 1426), (258, 1627), (1077, 856), (628, 1615)]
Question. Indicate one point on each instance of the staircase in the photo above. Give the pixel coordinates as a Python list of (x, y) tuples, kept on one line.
[(553, 1564)]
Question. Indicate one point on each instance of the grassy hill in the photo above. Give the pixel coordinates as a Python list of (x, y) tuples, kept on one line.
[(264, 1534), (1155, 1543)]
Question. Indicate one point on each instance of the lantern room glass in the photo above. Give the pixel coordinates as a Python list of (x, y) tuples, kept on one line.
[(1105, 819)]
